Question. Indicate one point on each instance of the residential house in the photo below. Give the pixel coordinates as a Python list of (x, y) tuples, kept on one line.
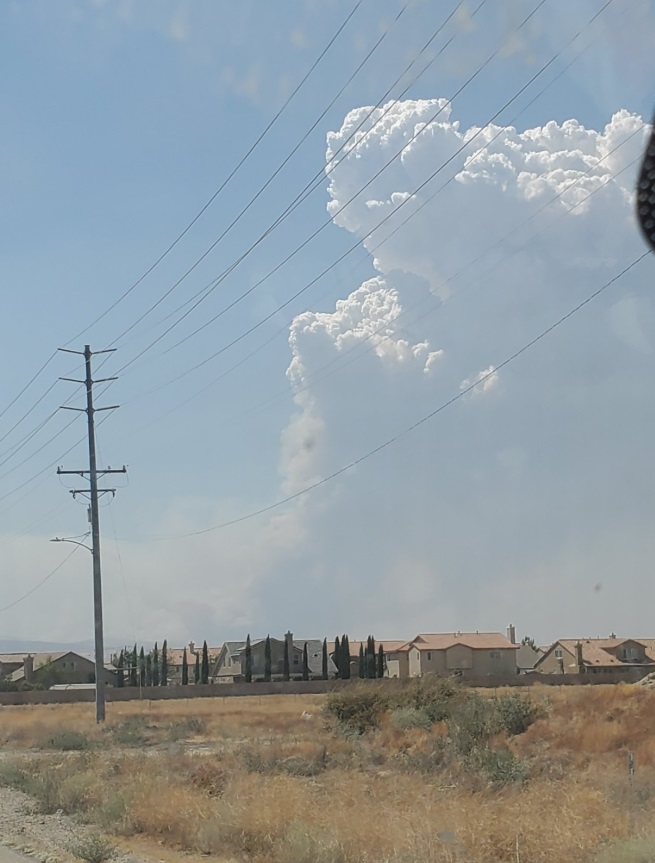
[(527, 657), (470, 654), (614, 658), (50, 668), (390, 647), (230, 666), (175, 656)]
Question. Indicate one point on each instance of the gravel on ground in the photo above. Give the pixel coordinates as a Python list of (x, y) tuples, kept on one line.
[(48, 838)]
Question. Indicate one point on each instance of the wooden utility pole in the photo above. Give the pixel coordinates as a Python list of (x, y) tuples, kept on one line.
[(94, 492)]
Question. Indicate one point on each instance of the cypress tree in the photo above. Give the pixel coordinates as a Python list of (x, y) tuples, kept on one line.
[(337, 655), (142, 667), (155, 665), (370, 657), (134, 681), (362, 661), (148, 674), (380, 668), (305, 663), (248, 660), (345, 658), (120, 674), (267, 659), (196, 670), (324, 661), (185, 669), (285, 668), (164, 664), (204, 667)]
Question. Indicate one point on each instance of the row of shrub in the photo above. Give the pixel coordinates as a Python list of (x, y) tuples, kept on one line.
[(471, 723)]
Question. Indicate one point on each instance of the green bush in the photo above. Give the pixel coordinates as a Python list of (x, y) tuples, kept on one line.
[(472, 723), (430, 760), (132, 731), (67, 741), (411, 717), (93, 848), (357, 708), (502, 767), (435, 696), (516, 714)]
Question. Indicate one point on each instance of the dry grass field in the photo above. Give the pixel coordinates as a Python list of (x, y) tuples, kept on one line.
[(435, 775)]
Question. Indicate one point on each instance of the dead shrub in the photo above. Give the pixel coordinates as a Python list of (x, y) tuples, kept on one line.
[(208, 777)]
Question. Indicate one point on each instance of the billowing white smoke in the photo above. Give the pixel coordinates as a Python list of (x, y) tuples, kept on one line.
[(518, 501)]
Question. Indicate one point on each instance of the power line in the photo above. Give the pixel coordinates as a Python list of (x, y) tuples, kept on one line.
[(40, 583), (229, 177), (309, 188), (401, 434), (27, 385), (372, 251), (356, 245)]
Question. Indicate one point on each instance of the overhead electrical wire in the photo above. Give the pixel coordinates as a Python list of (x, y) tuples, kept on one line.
[(262, 189), (371, 252), (323, 225), (40, 583), (408, 429), (243, 335), (27, 385), (229, 177), (356, 245), (338, 360), (312, 185)]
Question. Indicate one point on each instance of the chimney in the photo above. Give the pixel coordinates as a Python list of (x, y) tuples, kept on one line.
[(28, 667), (288, 637), (511, 633), (192, 648)]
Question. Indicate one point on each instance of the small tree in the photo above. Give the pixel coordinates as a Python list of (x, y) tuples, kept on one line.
[(345, 658), (196, 670), (285, 668), (529, 641), (324, 661), (337, 655), (120, 674), (164, 664), (185, 669), (134, 666), (142, 667), (305, 663), (267, 659), (148, 674), (370, 657), (155, 665), (248, 660), (204, 667), (380, 668), (362, 661)]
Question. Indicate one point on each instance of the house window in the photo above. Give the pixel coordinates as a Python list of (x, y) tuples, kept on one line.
[(429, 656), (559, 653), (295, 659), (494, 654)]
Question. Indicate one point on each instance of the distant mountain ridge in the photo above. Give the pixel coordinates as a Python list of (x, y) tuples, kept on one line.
[(17, 645)]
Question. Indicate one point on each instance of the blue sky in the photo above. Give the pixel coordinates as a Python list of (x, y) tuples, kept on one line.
[(121, 120)]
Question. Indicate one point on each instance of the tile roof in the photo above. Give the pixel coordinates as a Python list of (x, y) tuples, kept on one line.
[(474, 640), (595, 650), (174, 654), (388, 646)]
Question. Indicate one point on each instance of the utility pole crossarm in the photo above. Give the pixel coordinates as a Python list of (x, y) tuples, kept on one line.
[(94, 492)]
